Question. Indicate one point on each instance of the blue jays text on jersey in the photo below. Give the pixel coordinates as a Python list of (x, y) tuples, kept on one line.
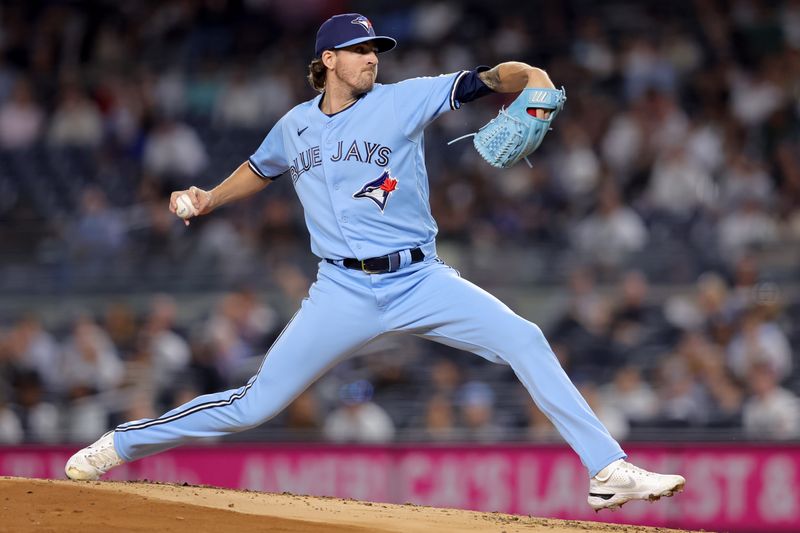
[(363, 151)]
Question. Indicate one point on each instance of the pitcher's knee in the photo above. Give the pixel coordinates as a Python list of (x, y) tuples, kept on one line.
[(248, 418), (531, 336), (527, 341), (253, 409), (536, 333), (259, 400)]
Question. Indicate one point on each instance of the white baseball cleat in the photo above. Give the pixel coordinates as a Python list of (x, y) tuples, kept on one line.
[(95, 460), (621, 482)]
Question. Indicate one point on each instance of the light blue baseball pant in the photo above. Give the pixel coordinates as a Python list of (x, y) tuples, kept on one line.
[(347, 309)]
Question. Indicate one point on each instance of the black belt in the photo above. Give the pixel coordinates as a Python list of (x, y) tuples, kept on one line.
[(380, 265)]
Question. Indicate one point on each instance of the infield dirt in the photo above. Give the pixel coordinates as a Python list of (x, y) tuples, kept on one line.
[(66, 506)]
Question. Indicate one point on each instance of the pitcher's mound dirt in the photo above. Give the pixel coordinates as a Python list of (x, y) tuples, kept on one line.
[(68, 506)]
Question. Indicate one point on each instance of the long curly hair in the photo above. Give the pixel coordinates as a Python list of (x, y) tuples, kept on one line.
[(316, 74)]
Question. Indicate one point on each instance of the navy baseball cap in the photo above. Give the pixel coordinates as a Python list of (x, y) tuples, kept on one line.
[(348, 29)]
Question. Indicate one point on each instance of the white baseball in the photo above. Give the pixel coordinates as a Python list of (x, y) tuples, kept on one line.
[(184, 207)]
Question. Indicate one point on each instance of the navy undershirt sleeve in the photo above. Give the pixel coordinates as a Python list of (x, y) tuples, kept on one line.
[(470, 87)]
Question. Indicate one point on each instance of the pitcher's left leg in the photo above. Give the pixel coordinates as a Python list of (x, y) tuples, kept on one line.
[(439, 305), (460, 314)]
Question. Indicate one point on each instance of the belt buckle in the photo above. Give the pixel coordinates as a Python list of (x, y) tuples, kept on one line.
[(368, 271)]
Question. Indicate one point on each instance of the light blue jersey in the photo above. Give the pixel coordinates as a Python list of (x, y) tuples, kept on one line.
[(360, 174)]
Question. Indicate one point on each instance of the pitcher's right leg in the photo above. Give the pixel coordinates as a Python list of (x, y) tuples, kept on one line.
[(335, 321)]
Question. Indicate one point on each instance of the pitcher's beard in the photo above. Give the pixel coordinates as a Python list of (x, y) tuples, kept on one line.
[(367, 82)]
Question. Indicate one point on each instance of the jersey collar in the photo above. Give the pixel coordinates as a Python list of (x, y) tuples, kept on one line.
[(318, 104)]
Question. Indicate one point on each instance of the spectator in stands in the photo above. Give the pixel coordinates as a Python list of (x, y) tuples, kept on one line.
[(33, 348), (119, 321), (635, 320), (140, 404), (644, 68), (10, 426), (222, 330), (159, 243), (97, 233), (173, 150), (706, 144), (630, 394), (787, 156), (7, 360), (203, 89), (577, 167), (358, 419), (625, 143), (759, 341), (170, 354), (276, 89), (76, 121), (21, 118), (695, 352), (612, 232), (679, 186), (303, 416), (239, 103), (479, 420), (755, 95), (169, 92), (85, 414), (238, 330), (744, 178), (91, 365), (592, 50), (746, 278), (771, 412), (612, 418), (669, 125), (39, 419), (717, 313), (750, 224), (440, 418), (8, 77), (445, 378), (682, 399), (539, 428), (125, 108), (222, 243), (725, 395), (278, 226), (580, 336), (90, 358)]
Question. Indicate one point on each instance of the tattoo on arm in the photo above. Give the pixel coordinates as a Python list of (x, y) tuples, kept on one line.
[(491, 78)]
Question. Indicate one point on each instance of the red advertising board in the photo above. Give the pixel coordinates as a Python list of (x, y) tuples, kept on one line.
[(737, 489)]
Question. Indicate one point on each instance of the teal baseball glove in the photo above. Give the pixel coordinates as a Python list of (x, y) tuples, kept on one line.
[(515, 133)]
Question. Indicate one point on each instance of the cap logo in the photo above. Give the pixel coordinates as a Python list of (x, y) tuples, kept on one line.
[(363, 22)]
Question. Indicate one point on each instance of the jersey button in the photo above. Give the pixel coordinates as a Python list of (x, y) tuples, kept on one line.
[(344, 220), (336, 187)]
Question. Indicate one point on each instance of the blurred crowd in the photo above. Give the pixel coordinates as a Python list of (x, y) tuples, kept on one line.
[(683, 138), (676, 162), (713, 362)]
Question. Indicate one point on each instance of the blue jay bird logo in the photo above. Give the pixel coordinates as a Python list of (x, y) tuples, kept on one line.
[(379, 190), (363, 22)]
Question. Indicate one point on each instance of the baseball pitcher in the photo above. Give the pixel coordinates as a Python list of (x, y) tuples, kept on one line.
[(355, 156)]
